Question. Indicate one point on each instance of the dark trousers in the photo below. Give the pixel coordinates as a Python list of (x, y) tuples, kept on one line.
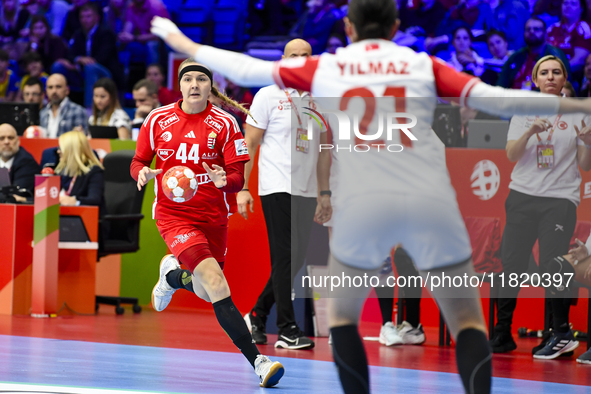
[(289, 223), (549, 220)]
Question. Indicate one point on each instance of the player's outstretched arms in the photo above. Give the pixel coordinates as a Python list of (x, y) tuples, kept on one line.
[(508, 102), (145, 175), (240, 69)]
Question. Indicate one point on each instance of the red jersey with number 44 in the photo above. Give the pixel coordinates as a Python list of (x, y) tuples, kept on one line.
[(180, 139)]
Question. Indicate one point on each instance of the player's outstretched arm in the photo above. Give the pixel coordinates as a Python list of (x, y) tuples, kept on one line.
[(240, 69), (145, 175)]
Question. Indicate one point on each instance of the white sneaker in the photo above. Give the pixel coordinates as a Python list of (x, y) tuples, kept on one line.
[(389, 335), (162, 292), (269, 372), (411, 335)]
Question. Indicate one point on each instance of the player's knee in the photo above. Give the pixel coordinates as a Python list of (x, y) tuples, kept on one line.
[(215, 282)]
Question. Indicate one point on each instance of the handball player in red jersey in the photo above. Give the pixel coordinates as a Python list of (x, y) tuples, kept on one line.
[(195, 134)]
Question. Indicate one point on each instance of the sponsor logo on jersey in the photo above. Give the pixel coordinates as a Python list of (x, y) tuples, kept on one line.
[(167, 136), (211, 140), (190, 134), (562, 125), (587, 190), (165, 154), (485, 179), (241, 148), (211, 122), (169, 120), (209, 156), (182, 239), (372, 47)]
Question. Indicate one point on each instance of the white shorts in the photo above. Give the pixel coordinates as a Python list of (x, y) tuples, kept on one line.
[(432, 230)]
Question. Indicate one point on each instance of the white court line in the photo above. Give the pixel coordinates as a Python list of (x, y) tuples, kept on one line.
[(20, 388)]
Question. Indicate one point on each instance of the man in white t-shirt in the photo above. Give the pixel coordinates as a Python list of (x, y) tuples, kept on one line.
[(288, 202)]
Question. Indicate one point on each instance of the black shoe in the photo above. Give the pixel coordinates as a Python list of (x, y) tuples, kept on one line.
[(545, 338), (502, 342), (257, 328), (558, 344), (293, 338)]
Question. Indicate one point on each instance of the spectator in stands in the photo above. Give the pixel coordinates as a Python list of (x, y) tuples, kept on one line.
[(463, 57), (31, 63), (13, 22), (586, 85), (106, 110), (21, 166), (166, 96), (72, 22), (542, 204), (498, 48), (136, 31), (510, 16), (45, 43), (33, 90), (572, 34), (568, 90), (316, 24), (61, 115), (516, 72), (55, 11), (474, 14), (115, 15), (82, 173), (8, 79), (145, 94), (94, 49)]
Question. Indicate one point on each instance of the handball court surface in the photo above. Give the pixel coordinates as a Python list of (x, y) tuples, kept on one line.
[(185, 351)]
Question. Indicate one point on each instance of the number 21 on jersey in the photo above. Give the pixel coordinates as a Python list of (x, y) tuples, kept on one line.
[(181, 153), (399, 94)]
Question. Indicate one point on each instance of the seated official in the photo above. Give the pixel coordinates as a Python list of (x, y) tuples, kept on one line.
[(21, 166), (82, 173)]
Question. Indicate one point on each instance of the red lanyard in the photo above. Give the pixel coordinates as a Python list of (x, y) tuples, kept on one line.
[(71, 186), (293, 106), (551, 131)]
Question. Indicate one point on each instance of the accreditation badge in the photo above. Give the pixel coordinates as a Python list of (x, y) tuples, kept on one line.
[(545, 153), (302, 142)]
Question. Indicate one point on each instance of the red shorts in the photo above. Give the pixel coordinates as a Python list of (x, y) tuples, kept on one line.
[(180, 235)]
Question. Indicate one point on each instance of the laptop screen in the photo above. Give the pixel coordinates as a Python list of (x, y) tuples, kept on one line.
[(109, 132), (72, 229)]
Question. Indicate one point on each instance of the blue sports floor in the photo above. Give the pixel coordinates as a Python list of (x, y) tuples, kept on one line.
[(42, 365)]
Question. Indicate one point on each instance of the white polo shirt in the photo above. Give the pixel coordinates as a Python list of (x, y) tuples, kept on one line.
[(562, 181), (278, 157)]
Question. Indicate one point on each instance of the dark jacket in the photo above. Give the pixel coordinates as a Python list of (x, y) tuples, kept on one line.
[(23, 170), (103, 50), (89, 188), (516, 61)]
